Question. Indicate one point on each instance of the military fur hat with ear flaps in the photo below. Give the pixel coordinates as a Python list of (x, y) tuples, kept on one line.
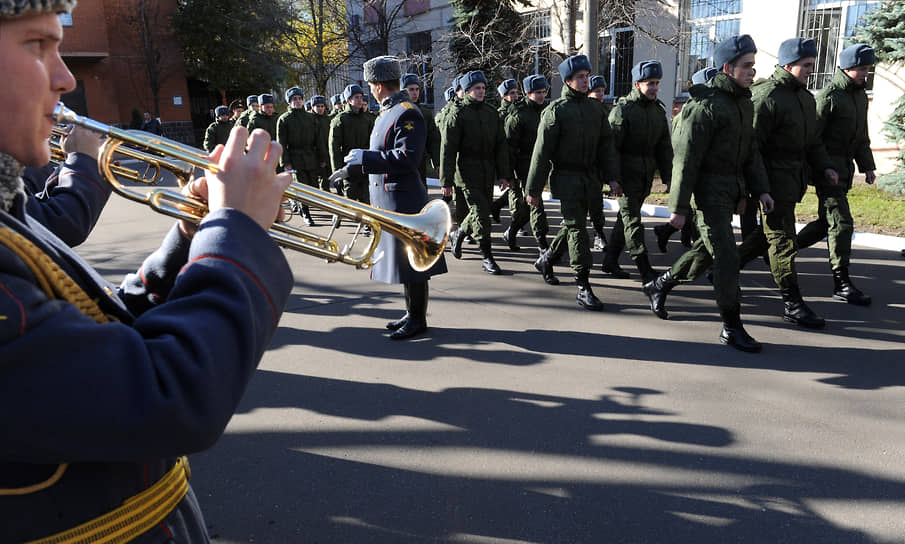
[(18, 8), (381, 69)]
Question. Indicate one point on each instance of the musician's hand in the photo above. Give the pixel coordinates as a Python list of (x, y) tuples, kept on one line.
[(831, 176), (197, 189), (766, 203), (677, 220), (446, 191), (247, 180), (615, 188), (82, 140), (504, 184), (355, 157), (870, 177), (532, 201), (288, 167)]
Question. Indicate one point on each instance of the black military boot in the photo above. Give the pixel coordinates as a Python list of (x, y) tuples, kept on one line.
[(488, 264), (734, 334), (663, 233), (611, 263), (396, 325), (510, 236), (456, 237), (585, 296), (599, 239), (657, 290), (417, 312), (545, 266), (648, 274), (846, 291), (796, 311), (306, 213)]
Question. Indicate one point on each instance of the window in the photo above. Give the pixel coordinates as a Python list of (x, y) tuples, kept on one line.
[(538, 33), (65, 19), (414, 7), (706, 23), (420, 62), (829, 23), (617, 51), (419, 43)]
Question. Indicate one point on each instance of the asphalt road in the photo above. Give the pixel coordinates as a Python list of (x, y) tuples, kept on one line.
[(521, 417)]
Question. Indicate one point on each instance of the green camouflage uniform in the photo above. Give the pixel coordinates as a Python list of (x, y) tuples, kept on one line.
[(579, 156), (842, 126), (785, 121), (460, 208), (217, 133), (303, 148), (716, 154), (521, 133), (350, 130), (432, 145), (243, 119), (323, 174), (642, 140)]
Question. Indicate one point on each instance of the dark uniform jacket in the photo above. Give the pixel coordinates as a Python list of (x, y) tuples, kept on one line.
[(715, 149), (842, 126), (506, 107), (303, 147), (432, 146), (68, 202), (521, 133), (120, 401), (785, 121), (568, 142), (259, 119), (348, 131), (394, 184), (473, 150), (217, 133), (642, 140), (243, 119)]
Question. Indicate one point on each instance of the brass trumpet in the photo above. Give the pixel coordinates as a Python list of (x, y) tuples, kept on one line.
[(424, 234)]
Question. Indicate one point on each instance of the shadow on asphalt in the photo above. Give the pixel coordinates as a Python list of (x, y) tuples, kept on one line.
[(340, 500)]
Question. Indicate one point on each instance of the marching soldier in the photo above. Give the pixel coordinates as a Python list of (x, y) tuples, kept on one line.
[(218, 131), (474, 156), (521, 133), (574, 138), (336, 102), (351, 130), (252, 102), (598, 221), (785, 122), (264, 118), (304, 150), (412, 85), (641, 137), (236, 108), (716, 159), (392, 160), (598, 91), (689, 231), (319, 109), (842, 125), (509, 96)]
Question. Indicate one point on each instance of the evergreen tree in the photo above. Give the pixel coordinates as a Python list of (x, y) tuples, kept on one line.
[(883, 28)]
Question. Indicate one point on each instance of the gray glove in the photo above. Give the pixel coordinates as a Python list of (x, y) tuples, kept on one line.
[(336, 178)]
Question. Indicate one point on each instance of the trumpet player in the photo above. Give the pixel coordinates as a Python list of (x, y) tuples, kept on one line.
[(162, 361)]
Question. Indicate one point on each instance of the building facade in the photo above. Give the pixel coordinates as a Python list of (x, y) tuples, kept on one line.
[(109, 45)]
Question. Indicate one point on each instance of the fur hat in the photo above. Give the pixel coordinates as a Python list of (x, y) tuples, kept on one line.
[(796, 49), (251, 99), (409, 79), (859, 54), (293, 91), (732, 48), (383, 68), (318, 99), (534, 83), (449, 93), (336, 99), (647, 69), (457, 83), (221, 110), (265, 99), (573, 64), (703, 77), (506, 86), (351, 91), (18, 8), (472, 78), (597, 82)]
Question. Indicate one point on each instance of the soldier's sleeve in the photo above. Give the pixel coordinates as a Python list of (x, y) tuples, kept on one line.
[(320, 142), (282, 139), (547, 138), (408, 135), (764, 120), (451, 137), (433, 140), (817, 155), (690, 141), (665, 155), (336, 138), (864, 157), (756, 180), (616, 127), (501, 149), (72, 200), (608, 162), (512, 129)]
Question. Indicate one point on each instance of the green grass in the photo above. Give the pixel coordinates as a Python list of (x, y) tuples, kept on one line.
[(872, 209)]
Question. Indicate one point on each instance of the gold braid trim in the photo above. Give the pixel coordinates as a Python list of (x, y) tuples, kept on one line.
[(56, 284)]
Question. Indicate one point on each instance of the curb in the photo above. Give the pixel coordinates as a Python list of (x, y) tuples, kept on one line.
[(864, 239)]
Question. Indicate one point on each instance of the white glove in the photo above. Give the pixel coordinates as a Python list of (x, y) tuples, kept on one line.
[(339, 175), (354, 157)]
